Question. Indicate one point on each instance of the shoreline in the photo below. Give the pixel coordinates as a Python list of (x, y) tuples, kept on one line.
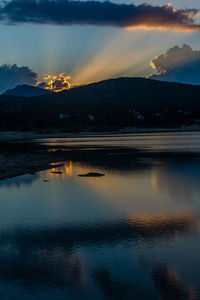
[(24, 165), (20, 156), (18, 136)]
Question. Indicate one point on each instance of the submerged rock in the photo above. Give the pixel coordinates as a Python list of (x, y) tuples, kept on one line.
[(91, 174), (56, 172)]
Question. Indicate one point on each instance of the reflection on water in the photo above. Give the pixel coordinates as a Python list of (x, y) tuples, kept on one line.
[(169, 285), (132, 234), (19, 181), (156, 141), (66, 170), (181, 182)]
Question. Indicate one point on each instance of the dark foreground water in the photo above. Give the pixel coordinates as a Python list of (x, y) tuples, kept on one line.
[(132, 234)]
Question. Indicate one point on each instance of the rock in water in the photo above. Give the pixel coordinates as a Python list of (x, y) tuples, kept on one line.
[(91, 174), (56, 172)]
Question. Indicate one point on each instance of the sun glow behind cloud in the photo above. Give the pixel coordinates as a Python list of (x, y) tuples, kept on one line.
[(56, 83)]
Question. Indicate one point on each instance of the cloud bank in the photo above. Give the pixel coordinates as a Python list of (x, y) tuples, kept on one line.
[(178, 64), (67, 12), (12, 75)]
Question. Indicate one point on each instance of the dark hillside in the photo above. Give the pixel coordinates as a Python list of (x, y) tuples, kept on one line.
[(105, 105)]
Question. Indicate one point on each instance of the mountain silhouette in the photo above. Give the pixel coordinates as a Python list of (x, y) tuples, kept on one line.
[(105, 105), (26, 91)]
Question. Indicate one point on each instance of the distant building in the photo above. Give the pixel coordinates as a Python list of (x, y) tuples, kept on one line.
[(140, 117), (137, 114), (63, 116), (187, 113), (91, 117)]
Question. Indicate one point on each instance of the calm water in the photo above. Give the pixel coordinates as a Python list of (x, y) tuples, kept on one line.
[(155, 141), (132, 234)]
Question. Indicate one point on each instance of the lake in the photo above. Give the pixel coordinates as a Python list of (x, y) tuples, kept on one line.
[(133, 233)]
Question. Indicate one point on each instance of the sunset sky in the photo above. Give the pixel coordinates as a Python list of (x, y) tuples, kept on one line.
[(97, 42)]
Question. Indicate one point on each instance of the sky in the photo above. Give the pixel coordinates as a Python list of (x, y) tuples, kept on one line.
[(96, 42)]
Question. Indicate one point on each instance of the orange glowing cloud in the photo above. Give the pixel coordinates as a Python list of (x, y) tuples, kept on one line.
[(176, 27), (56, 83)]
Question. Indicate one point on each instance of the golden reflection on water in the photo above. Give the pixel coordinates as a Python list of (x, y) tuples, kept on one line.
[(128, 192), (66, 170), (173, 224), (163, 220), (154, 180), (134, 197)]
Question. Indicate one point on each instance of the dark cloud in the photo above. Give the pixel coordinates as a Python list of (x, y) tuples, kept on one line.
[(12, 75), (179, 64), (67, 12)]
